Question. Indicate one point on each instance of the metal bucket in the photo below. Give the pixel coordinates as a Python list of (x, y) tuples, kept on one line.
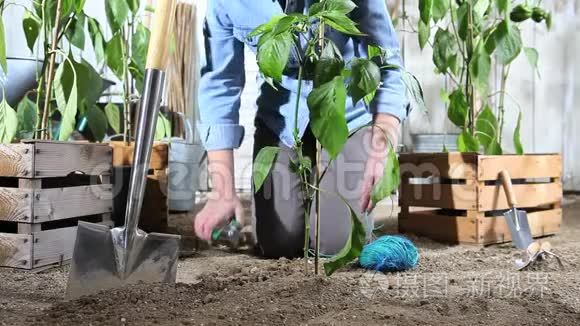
[(433, 143), (185, 165)]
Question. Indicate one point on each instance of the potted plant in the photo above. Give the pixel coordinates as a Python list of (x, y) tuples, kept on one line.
[(468, 37), (51, 182)]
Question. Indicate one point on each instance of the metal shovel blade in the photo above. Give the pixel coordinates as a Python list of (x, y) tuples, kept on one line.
[(517, 221), (100, 262)]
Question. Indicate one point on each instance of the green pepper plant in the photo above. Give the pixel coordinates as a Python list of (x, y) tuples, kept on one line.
[(333, 79), (470, 36)]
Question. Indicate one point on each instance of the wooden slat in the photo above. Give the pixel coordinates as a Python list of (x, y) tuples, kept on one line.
[(16, 160), (452, 229), (53, 246), (123, 155), (446, 165), (59, 159), (527, 195), (61, 203), (16, 204), (520, 166), (487, 230), (42, 205), (15, 250), (542, 223), (451, 196)]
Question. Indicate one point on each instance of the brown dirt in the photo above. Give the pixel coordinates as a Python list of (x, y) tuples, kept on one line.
[(455, 285)]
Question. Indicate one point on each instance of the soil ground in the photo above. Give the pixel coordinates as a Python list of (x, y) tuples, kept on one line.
[(453, 285)]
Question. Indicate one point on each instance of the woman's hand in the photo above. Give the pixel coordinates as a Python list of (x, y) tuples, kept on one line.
[(385, 129), (215, 213), (222, 203)]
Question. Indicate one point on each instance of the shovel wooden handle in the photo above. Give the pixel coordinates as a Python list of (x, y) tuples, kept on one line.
[(508, 188), (161, 33)]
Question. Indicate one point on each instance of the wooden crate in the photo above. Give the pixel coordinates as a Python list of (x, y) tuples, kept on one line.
[(45, 189), (458, 197)]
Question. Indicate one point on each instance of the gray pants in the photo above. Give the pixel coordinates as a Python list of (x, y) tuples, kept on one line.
[(279, 206)]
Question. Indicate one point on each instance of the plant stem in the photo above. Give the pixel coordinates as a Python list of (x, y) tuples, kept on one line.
[(318, 172), (126, 86), (50, 77), (469, 90), (501, 106)]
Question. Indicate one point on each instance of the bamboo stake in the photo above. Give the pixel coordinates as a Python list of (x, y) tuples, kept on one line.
[(44, 126), (318, 172)]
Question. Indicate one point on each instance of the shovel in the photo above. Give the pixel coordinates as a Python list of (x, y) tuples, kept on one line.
[(103, 258), (517, 220)]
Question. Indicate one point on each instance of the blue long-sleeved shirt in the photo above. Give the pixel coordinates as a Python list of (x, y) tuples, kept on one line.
[(226, 27)]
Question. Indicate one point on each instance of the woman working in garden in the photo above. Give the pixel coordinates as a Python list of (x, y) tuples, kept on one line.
[(279, 205)]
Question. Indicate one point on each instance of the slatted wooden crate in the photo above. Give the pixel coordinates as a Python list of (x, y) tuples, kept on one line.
[(45, 189), (458, 197)]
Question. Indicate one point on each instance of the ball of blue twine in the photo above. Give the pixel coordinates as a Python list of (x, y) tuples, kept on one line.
[(389, 253)]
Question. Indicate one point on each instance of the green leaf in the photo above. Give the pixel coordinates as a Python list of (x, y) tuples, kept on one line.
[(365, 78), (414, 91), (425, 9), (266, 27), (75, 33), (374, 51), (273, 54), (79, 5), (134, 6), (162, 127), (486, 126), (532, 56), (27, 113), (480, 68), (444, 48), (113, 114), (343, 6), (284, 25), (328, 66), (390, 180), (89, 82), (340, 22), (517, 140), (31, 26), (114, 55), (140, 45), (480, 8), (117, 13), (97, 122), (458, 107), (424, 31), (494, 148), (440, 9), (138, 73), (327, 104), (502, 5), (352, 247), (3, 62), (467, 143), (508, 41), (262, 165), (8, 122), (488, 132), (66, 106), (97, 39)]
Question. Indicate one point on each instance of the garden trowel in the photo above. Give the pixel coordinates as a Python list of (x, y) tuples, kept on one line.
[(517, 220), (103, 258)]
